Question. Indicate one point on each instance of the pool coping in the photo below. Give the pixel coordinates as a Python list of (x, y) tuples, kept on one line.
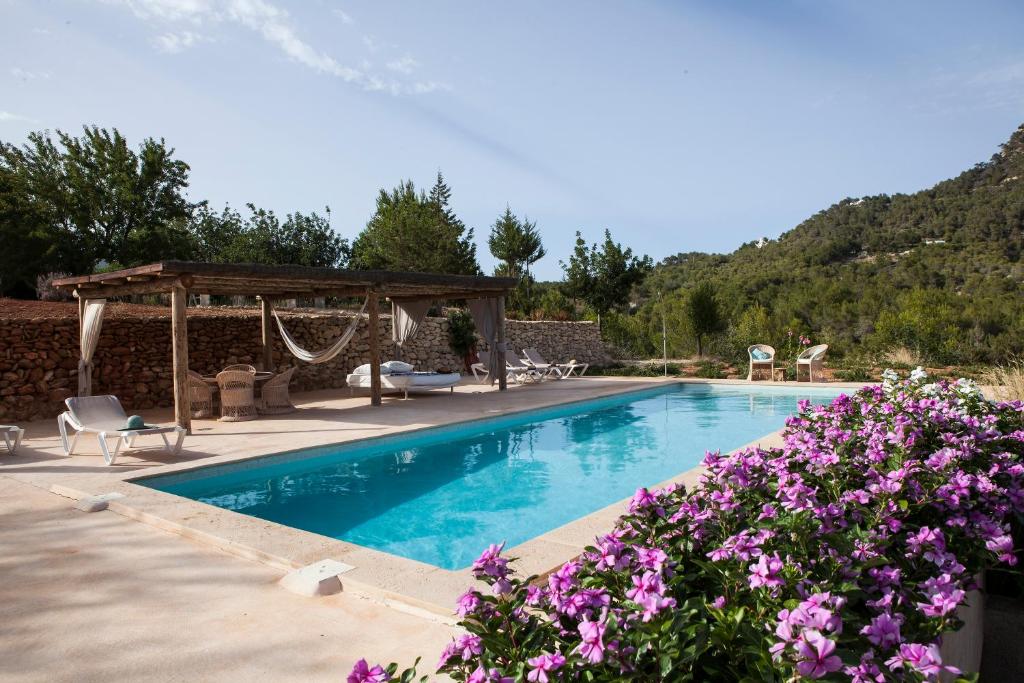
[(398, 582)]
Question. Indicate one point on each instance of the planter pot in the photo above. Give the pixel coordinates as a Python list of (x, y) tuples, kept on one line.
[(962, 648)]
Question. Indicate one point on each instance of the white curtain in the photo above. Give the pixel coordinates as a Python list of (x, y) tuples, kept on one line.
[(406, 317), (327, 354), (92, 322), (485, 316)]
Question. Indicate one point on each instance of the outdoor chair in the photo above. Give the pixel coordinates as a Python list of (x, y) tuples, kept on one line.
[(104, 417), (200, 395), (480, 368), (533, 358), (241, 367), (237, 400), (12, 437), (520, 372), (813, 359), (564, 370), (274, 398), (762, 357)]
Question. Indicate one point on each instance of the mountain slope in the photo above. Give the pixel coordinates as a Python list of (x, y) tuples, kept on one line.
[(868, 271)]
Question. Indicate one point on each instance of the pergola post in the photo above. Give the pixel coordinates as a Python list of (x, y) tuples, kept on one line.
[(179, 354), (373, 329), (267, 332), (502, 376)]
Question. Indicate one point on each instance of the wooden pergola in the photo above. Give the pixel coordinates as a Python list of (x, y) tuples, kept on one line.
[(180, 278)]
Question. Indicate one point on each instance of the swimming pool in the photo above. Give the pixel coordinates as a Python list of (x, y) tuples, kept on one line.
[(441, 495)]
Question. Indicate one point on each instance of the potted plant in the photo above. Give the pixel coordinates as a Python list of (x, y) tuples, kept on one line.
[(462, 336)]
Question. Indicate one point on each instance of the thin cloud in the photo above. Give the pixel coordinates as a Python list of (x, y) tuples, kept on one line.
[(26, 76), (274, 25), (9, 116), (345, 17), (405, 65), (173, 43)]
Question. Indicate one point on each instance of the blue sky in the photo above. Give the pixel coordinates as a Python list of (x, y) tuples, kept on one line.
[(678, 126)]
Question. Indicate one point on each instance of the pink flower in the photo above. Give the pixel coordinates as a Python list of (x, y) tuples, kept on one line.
[(592, 647), (923, 658), (765, 572), (816, 658), (543, 665), (362, 673), (883, 631)]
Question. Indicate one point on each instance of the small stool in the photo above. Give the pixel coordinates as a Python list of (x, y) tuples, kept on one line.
[(780, 375)]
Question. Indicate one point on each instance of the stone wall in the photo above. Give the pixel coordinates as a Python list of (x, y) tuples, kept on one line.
[(39, 356)]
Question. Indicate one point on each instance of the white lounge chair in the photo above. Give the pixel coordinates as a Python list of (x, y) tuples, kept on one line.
[(481, 369), (12, 437), (104, 416), (761, 364), (560, 370), (520, 372), (813, 359)]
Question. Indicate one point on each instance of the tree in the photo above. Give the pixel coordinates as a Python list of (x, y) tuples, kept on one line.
[(603, 276), (30, 245), (301, 239), (517, 244), (702, 315), (413, 231), (102, 200)]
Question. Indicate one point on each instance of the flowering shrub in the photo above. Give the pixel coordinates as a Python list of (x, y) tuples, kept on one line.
[(843, 555)]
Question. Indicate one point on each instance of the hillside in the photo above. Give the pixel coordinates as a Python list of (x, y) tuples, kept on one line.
[(938, 271)]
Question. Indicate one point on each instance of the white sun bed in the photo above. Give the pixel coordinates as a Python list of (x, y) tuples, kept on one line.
[(104, 416), (407, 381)]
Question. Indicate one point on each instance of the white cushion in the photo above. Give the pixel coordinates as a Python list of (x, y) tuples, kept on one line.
[(365, 370), (397, 366)]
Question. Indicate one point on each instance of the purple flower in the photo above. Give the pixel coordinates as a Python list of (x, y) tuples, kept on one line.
[(490, 563), (765, 572), (883, 631), (468, 603), (651, 558), (468, 646), (592, 634), (543, 665), (924, 658), (816, 658), (481, 675), (362, 673)]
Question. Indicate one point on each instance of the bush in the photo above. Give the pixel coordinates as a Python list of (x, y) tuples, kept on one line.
[(461, 333), (857, 374), (844, 554), (709, 370)]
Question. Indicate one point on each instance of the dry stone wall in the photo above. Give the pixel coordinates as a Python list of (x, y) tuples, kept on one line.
[(39, 356)]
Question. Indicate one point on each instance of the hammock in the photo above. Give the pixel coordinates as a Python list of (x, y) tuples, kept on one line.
[(327, 354)]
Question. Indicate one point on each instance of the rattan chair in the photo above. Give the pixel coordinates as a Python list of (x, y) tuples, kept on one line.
[(237, 402), (813, 359), (274, 399), (242, 367), (761, 364), (200, 395)]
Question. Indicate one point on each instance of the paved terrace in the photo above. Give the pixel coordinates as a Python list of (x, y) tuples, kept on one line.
[(190, 593)]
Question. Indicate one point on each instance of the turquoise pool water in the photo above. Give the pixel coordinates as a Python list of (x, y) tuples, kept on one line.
[(442, 495)]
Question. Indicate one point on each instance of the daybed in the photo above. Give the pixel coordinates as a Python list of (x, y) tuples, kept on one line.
[(398, 376)]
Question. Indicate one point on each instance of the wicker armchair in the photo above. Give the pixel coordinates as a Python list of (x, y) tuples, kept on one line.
[(813, 359), (200, 395), (237, 402), (759, 365), (274, 397), (241, 367)]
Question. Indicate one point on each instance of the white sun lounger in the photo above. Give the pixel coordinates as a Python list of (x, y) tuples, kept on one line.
[(562, 370), (104, 416), (11, 436), (520, 372)]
